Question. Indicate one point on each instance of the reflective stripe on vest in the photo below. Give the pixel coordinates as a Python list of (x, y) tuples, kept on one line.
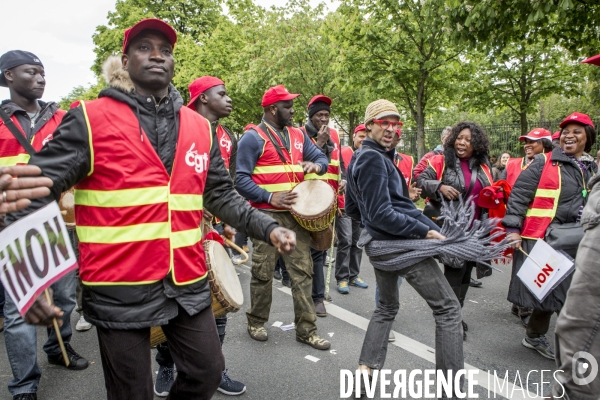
[(135, 223), (11, 151), (270, 173), (405, 165), (542, 209), (332, 175)]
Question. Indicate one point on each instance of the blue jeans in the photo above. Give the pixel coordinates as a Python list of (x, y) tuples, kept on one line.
[(427, 279), (21, 338), (1, 301)]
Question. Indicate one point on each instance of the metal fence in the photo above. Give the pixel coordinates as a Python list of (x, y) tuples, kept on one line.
[(503, 137)]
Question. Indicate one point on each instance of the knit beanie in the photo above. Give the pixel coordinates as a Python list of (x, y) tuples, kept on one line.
[(316, 107), (379, 109)]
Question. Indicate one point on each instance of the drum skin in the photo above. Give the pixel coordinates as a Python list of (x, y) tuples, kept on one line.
[(315, 206)]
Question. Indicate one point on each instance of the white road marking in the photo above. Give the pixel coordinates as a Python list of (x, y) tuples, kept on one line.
[(427, 353)]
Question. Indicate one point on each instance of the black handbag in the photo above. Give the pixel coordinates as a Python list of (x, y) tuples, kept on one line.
[(565, 237)]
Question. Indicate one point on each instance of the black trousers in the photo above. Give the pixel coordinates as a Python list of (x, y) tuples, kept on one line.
[(459, 279), (195, 348)]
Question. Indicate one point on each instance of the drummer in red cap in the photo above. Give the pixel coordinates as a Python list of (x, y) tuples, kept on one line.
[(273, 158), (328, 141), (537, 141), (144, 169), (208, 97)]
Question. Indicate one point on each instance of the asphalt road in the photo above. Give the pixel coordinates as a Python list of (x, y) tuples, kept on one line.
[(278, 369)]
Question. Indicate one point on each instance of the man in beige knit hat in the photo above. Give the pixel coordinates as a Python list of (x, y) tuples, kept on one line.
[(377, 195)]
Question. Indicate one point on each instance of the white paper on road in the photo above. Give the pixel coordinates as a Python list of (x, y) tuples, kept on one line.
[(333, 351), (311, 358), (35, 252), (277, 324), (288, 327), (330, 334), (544, 269)]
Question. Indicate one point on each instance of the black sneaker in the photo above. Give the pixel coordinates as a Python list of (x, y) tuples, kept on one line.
[(25, 396), (164, 381), (76, 362), (230, 387), (277, 275), (286, 282)]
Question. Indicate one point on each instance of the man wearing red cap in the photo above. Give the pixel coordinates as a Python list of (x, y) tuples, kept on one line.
[(577, 344), (348, 257), (139, 209), (272, 159), (328, 141), (208, 97)]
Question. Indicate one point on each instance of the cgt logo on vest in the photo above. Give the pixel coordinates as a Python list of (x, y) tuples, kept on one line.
[(198, 161), (298, 145), (225, 143)]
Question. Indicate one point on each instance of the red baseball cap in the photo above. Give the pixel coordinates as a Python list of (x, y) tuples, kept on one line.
[(320, 97), (359, 128), (592, 60), (578, 118), (149, 23), (556, 135), (275, 94), (201, 85), (537, 134)]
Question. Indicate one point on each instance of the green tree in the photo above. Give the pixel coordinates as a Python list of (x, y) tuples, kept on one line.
[(82, 93), (572, 24), (401, 49), (518, 77)]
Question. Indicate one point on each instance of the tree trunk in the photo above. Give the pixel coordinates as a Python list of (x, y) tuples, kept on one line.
[(523, 117), (420, 119)]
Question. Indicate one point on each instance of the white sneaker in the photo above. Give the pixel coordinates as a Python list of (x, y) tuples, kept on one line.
[(83, 325)]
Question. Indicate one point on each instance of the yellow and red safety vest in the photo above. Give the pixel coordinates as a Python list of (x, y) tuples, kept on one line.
[(135, 223), (514, 167), (270, 172), (347, 153), (542, 209), (11, 151), (405, 165), (332, 176), (224, 145)]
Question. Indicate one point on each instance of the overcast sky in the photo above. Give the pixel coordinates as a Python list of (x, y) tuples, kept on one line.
[(60, 34)]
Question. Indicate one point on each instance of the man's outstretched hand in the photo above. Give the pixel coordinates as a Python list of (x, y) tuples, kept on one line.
[(42, 313), (284, 239), (19, 191)]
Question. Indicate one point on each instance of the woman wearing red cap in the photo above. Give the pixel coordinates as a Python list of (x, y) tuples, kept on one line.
[(462, 171), (547, 197)]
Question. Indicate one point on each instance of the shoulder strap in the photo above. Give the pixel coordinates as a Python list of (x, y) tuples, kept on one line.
[(267, 132), (16, 133)]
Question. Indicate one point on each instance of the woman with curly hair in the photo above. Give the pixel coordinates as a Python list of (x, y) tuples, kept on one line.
[(462, 171)]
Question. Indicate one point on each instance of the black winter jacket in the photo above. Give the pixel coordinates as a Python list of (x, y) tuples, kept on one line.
[(569, 203), (66, 160), (454, 177), (47, 110), (570, 198), (377, 195)]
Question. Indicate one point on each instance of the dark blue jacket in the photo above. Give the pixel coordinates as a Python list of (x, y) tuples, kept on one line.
[(378, 196)]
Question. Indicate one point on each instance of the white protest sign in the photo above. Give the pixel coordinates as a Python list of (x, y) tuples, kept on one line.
[(35, 252), (544, 269)]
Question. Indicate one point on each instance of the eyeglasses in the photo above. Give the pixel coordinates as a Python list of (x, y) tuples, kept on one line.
[(385, 124)]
